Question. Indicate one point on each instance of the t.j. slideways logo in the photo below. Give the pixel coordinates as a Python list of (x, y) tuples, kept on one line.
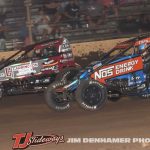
[(24, 140)]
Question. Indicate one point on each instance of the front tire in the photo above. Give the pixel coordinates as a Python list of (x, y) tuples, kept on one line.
[(91, 95), (55, 99)]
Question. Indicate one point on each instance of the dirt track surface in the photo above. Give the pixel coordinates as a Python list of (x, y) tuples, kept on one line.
[(126, 118)]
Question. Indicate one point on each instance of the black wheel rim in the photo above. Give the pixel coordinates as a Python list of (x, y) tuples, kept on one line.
[(92, 95), (58, 98)]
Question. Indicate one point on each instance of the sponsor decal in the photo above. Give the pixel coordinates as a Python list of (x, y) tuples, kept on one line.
[(9, 72), (24, 140), (25, 66), (49, 65), (66, 60), (18, 70), (133, 78), (146, 40), (24, 69), (118, 69), (48, 62), (97, 65), (53, 68)]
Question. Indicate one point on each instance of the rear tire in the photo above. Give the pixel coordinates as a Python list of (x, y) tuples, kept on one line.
[(55, 99), (91, 95), (67, 74)]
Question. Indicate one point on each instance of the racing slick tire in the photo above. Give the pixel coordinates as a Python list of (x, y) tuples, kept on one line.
[(91, 95), (55, 99), (67, 74)]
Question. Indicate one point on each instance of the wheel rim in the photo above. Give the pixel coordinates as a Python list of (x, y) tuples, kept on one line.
[(92, 95), (58, 98)]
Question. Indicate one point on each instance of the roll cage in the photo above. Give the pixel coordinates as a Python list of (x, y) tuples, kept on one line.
[(124, 47), (20, 54)]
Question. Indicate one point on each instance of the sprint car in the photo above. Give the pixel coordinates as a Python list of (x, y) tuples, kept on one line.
[(123, 71), (34, 67)]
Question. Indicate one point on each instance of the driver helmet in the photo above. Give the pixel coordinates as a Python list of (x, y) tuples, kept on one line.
[(142, 47), (38, 52)]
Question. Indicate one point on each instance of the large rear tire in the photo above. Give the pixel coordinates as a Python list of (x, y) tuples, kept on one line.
[(55, 99), (91, 95), (67, 74)]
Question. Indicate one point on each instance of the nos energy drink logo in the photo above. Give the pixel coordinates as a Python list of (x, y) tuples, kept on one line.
[(117, 69)]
